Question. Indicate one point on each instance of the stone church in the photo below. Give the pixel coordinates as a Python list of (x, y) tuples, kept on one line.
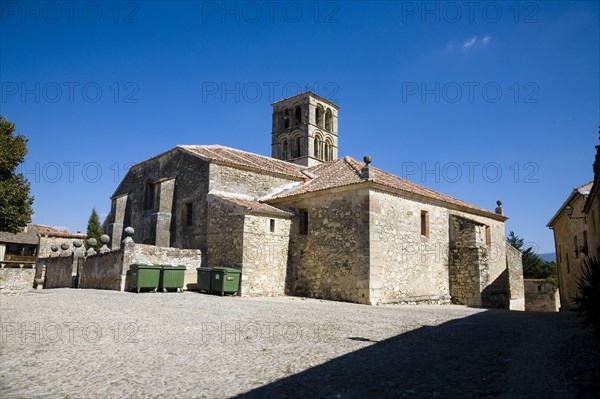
[(306, 222)]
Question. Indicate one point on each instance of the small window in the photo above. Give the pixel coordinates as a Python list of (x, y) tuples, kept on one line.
[(151, 193), (189, 214), (424, 223), (488, 236), (576, 244), (585, 239), (328, 120), (539, 287), (559, 254), (272, 225), (303, 214), (568, 266)]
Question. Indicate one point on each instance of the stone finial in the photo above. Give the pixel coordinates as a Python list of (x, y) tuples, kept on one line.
[(91, 245), (104, 239), (79, 251), (54, 249), (128, 232), (499, 209), (64, 249), (367, 172)]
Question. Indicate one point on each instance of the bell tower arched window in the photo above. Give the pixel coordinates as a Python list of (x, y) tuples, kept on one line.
[(318, 148), (319, 116), (286, 118), (297, 152), (328, 120), (284, 149), (298, 115), (328, 156)]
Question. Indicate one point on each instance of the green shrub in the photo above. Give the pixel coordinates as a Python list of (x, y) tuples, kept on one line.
[(587, 300)]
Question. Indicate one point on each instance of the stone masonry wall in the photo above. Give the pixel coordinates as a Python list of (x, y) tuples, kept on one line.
[(265, 255), (102, 271), (406, 266), (59, 271), (16, 281), (541, 296), (240, 181), (514, 264), (468, 262), (225, 237), (190, 186), (332, 260)]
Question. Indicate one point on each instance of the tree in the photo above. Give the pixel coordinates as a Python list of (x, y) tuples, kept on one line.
[(533, 265), (94, 229), (15, 199)]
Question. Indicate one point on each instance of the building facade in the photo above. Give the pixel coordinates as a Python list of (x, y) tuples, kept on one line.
[(305, 222)]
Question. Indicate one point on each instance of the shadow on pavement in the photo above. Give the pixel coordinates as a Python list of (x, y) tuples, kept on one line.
[(490, 354)]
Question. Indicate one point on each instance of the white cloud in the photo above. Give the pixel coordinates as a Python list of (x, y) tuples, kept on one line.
[(486, 39), (470, 42)]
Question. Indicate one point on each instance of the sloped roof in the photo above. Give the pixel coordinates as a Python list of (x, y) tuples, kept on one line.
[(252, 206), (232, 156), (31, 234), (583, 190), (346, 171)]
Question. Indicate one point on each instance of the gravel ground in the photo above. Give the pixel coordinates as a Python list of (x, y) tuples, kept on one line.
[(88, 344)]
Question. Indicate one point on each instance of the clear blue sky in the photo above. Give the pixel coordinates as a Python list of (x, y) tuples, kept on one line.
[(495, 101)]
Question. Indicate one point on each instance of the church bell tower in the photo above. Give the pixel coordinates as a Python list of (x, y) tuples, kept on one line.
[(305, 130)]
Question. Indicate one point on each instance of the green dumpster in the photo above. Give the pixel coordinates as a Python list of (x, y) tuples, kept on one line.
[(144, 276), (204, 277), (225, 280), (172, 277)]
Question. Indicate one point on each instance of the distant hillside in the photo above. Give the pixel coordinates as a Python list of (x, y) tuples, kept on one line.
[(548, 257)]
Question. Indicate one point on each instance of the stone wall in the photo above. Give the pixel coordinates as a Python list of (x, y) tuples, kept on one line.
[(153, 255), (514, 264), (225, 238), (103, 271), (265, 255), (190, 186), (332, 260), (569, 262), (245, 182), (59, 271), (468, 261), (16, 281), (406, 266), (541, 296)]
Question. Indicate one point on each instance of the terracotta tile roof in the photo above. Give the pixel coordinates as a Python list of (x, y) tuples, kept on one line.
[(31, 234), (346, 171), (232, 156), (49, 231), (253, 205)]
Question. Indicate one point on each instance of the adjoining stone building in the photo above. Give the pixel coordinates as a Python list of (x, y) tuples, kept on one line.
[(576, 227), (571, 242), (305, 222)]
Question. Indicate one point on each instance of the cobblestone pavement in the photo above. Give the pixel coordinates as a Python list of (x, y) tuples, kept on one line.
[(93, 344)]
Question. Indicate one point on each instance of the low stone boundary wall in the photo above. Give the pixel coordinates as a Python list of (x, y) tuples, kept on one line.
[(16, 281), (541, 296), (59, 271)]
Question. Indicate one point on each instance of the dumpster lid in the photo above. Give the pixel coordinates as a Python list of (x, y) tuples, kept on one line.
[(143, 266), (204, 269), (227, 269), (178, 267)]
